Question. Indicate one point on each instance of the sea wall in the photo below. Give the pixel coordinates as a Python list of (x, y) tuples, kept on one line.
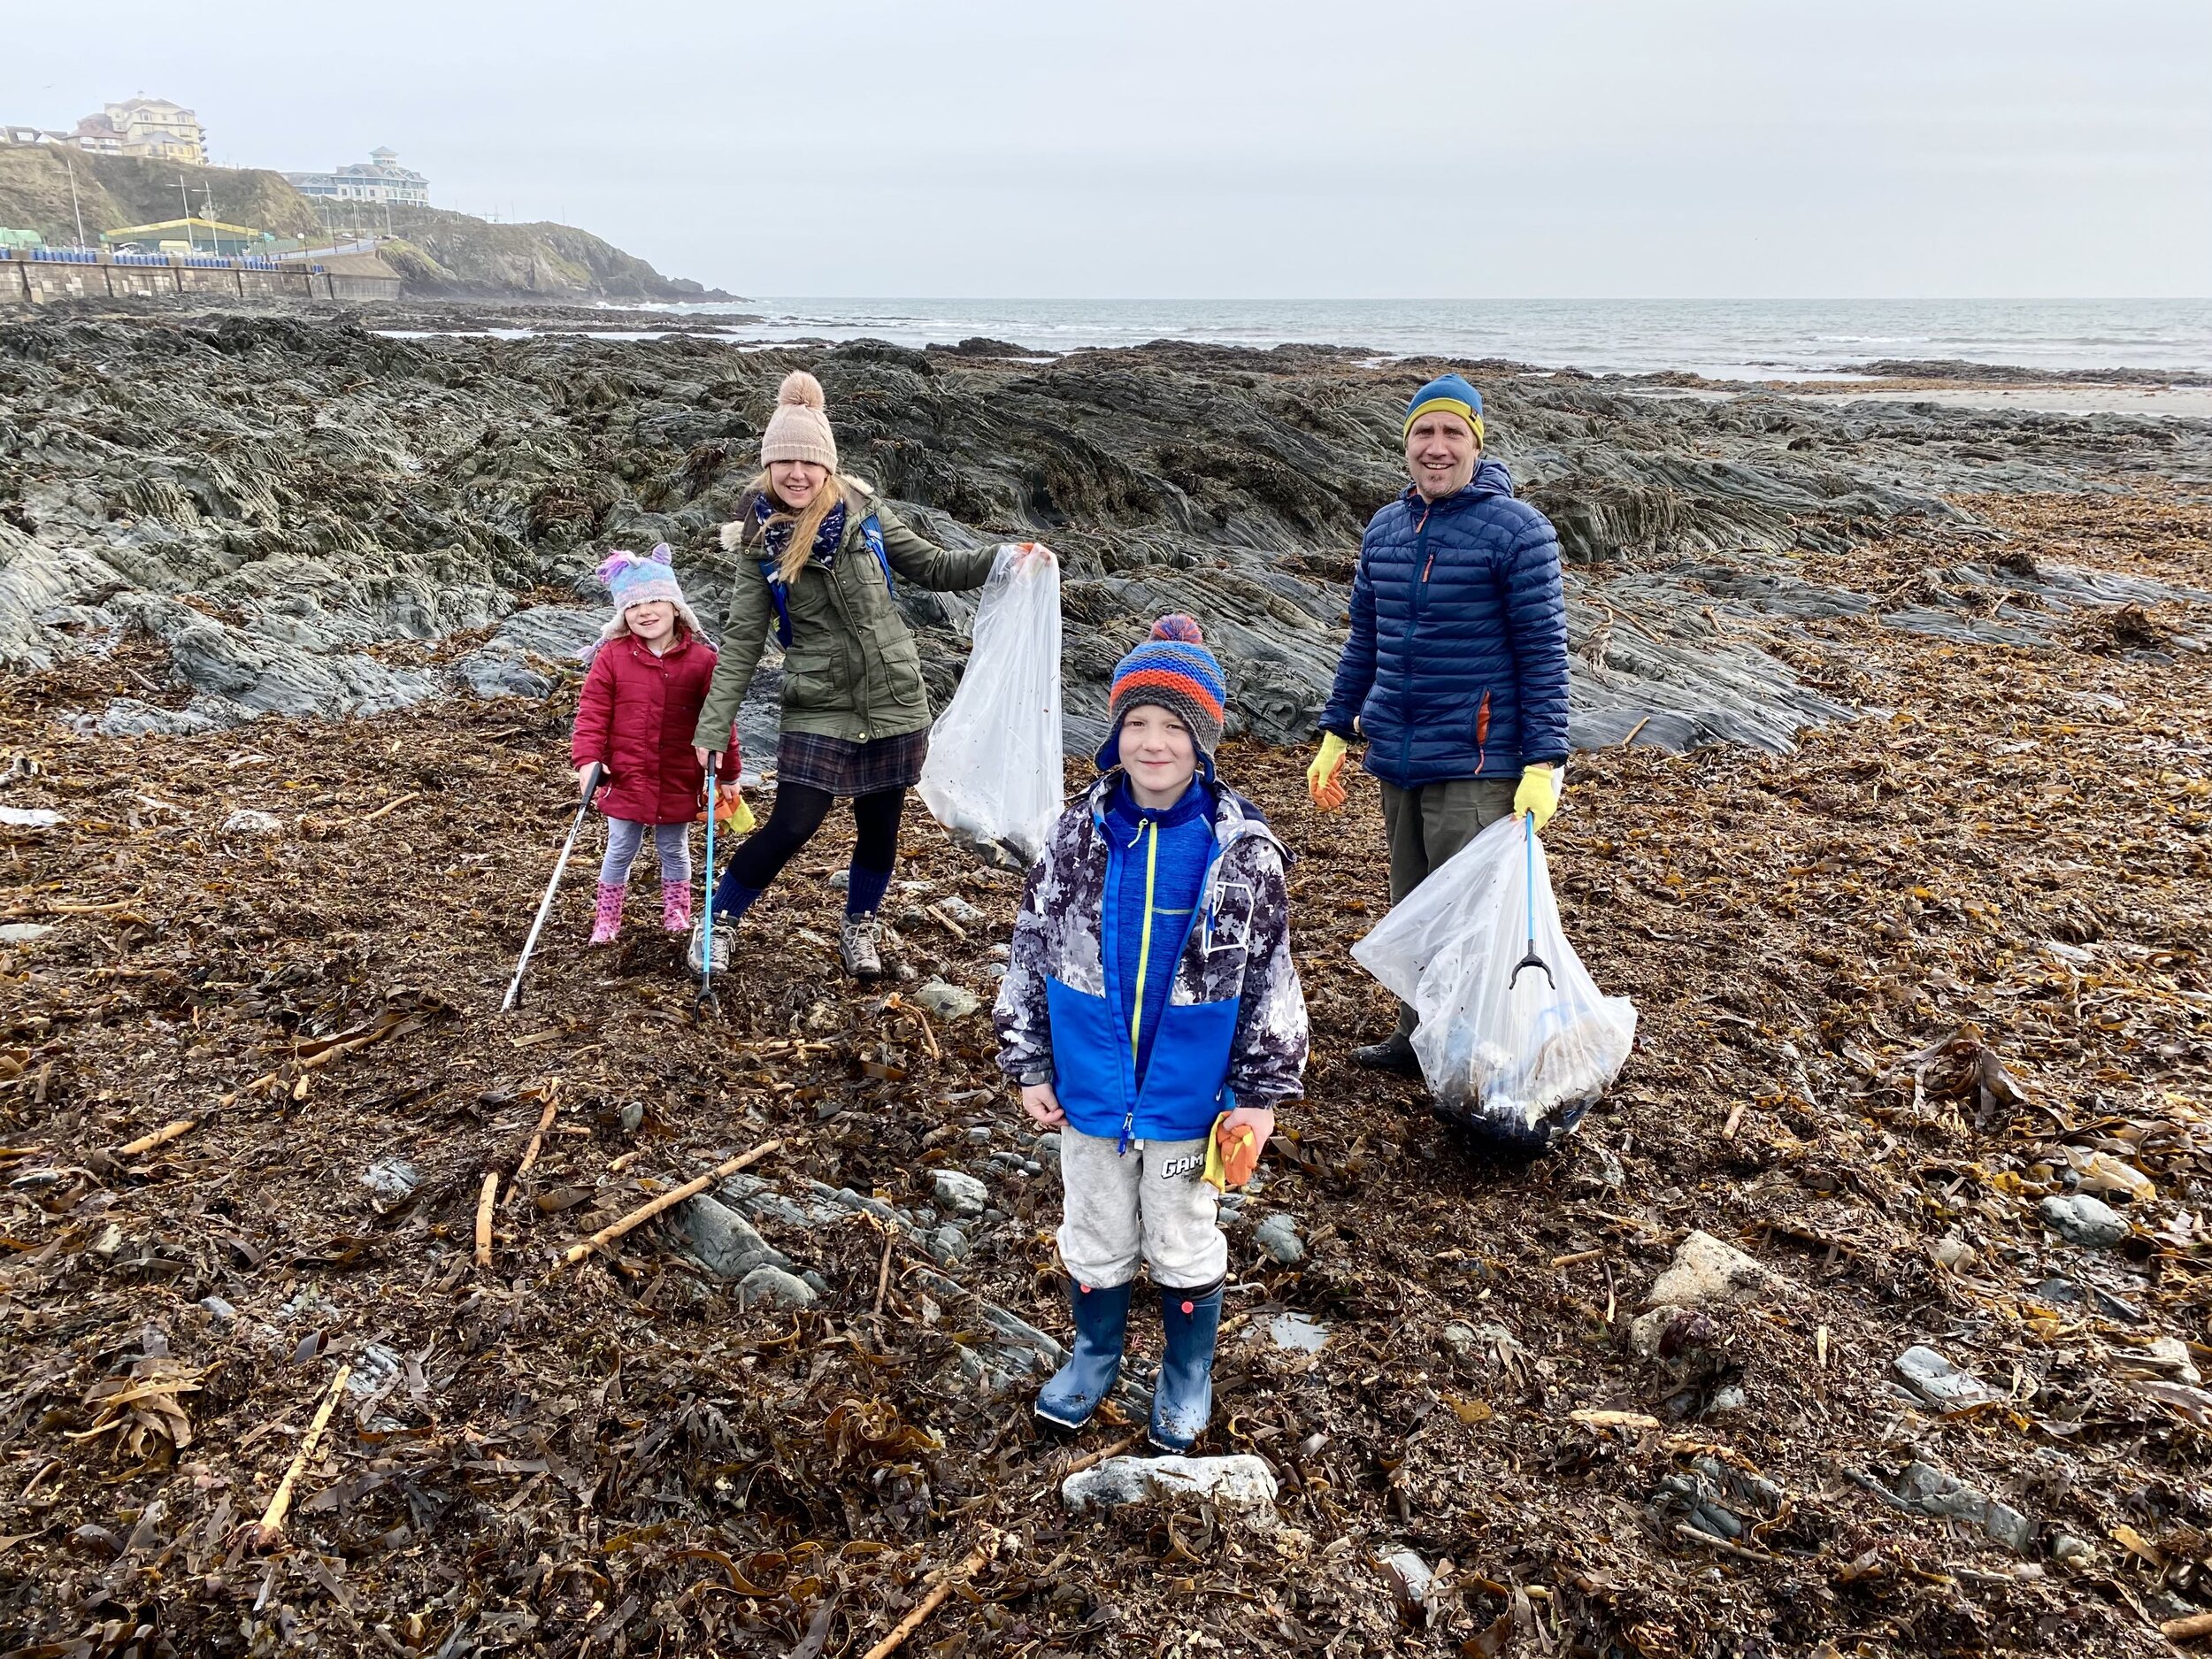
[(44, 282)]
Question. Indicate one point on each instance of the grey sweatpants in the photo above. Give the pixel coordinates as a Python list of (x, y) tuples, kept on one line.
[(1426, 824), (1146, 1203), (625, 836)]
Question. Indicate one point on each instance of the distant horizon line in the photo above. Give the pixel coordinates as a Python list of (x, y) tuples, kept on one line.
[(1491, 299)]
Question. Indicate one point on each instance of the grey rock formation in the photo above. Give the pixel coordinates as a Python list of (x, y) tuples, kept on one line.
[(774, 1287), (301, 513), (960, 1193)]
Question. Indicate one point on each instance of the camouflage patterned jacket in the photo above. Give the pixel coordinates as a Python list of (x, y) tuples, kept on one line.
[(1234, 1031)]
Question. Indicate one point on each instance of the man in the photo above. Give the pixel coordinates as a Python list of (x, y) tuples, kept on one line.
[(1456, 671)]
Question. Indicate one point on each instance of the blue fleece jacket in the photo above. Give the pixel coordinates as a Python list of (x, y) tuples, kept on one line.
[(1155, 864)]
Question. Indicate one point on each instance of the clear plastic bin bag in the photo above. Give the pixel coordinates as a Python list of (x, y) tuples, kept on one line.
[(994, 777), (1521, 1058)]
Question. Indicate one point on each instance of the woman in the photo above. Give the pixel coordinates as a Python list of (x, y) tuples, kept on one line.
[(819, 553)]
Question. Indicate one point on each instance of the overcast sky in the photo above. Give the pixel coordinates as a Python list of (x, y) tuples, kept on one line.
[(1215, 148)]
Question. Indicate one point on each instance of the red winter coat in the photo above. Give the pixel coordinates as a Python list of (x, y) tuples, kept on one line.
[(635, 715)]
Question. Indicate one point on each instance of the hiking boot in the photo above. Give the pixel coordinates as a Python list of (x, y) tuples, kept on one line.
[(606, 916), (1183, 1392), (1101, 1325), (861, 939), (675, 908), (1394, 1054)]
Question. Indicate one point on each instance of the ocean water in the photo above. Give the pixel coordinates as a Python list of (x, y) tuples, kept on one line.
[(1723, 338)]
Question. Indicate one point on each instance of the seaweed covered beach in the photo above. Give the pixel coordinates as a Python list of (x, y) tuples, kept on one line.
[(1867, 1314)]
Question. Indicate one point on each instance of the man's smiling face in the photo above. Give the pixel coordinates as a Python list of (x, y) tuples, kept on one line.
[(1441, 454)]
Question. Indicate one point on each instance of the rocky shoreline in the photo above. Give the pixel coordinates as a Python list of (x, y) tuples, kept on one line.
[(317, 519)]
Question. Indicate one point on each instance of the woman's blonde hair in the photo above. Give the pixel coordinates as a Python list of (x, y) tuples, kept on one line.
[(805, 523)]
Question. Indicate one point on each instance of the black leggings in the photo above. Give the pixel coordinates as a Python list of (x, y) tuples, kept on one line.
[(798, 812)]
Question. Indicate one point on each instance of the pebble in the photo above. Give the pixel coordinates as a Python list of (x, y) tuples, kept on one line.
[(1277, 1235), (24, 932), (946, 1001), (220, 1311), (2069, 1551), (948, 1244), (723, 1241), (1046, 1148), (2080, 1220), (246, 821), (960, 1193), (979, 1135), (1460, 1338), (391, 1179), (1705, 1271), (774, 1287), (1239, 1480), (632, 1115)]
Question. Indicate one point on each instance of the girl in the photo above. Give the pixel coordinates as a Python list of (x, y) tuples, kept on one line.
[(635, 718), (820, 557)]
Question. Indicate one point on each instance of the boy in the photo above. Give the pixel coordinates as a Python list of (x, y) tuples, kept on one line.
[(1151, 1013)]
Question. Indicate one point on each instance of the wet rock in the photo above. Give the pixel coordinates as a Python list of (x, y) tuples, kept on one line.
[(947, 1244), (1927, 1490), (24, 932), (248, 821), (723, 1241), (959, 909), (128, 716), (220, 1312), (1277, 1235), (1046, 1149), (632, 1114), (1941, 1382), (500, 670), (391, 1179), (946, 1001), (2069, 1551), (960, 1193), (774, 1287), (1459, 1337), (1239, 1481), (2080, 1220), (562, 633)]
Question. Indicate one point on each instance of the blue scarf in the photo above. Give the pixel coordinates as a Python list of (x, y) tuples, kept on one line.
[(777, 537)]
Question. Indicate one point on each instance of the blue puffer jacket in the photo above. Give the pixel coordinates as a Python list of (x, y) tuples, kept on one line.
[(1456, 667)]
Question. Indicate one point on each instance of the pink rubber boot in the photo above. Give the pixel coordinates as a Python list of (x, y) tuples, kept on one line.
[(606, 918), (676, 907)]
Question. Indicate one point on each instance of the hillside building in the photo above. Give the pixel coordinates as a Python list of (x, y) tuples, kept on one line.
[(154, 128), (379, 180)]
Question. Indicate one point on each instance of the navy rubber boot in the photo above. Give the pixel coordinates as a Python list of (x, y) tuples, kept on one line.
[(1102, 1323), (1183, 1394)]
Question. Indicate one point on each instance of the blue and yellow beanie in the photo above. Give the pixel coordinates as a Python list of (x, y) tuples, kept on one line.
[(1174, 670), (1451, 395)]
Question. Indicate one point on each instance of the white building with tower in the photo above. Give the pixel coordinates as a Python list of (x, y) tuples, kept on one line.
[(380, 179)]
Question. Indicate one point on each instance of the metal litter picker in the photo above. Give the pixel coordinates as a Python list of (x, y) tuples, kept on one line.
[(545, 904)]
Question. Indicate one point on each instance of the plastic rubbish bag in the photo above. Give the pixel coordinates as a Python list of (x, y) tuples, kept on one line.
[(993, 777), (1521, 1060)]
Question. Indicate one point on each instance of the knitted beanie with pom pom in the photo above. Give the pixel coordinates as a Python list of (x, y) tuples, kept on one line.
[(800, 429), (1174, 670)]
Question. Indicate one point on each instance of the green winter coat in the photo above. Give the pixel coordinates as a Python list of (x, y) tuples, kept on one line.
[(851, 669)]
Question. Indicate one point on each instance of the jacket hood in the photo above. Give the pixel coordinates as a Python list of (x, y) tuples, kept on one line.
[(1491, 480)]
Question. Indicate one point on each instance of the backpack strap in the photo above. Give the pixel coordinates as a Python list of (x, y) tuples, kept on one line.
[(871, 533)]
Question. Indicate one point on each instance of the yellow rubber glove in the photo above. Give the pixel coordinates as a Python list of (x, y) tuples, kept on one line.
[(1325, 779), (1542, 786), (731, 811)]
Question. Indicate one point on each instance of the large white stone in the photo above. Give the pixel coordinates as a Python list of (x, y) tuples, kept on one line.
[(1240, 1480)]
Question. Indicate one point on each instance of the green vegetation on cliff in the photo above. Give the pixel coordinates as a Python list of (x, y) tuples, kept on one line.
[(438, 253)]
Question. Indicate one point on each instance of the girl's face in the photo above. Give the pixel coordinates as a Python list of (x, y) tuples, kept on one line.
[(1158, 753), (651, 622), (794, 482)]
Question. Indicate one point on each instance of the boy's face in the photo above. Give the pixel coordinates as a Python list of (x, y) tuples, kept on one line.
[(1158, 753)]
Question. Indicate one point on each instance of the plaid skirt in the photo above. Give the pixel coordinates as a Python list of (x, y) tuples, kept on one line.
[(838, 766)]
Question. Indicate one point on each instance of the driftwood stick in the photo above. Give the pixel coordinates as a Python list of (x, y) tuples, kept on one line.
[(1705, 1540), (1077, 1464), (545, 1122), (393, 805), (931, 1603), (160, 1137), (668, 1200), (484, 1202), (272, 1527), (883, 1271), (2188, 1628)]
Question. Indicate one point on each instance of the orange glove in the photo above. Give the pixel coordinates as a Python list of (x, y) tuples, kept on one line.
[(1232, 1152), (1325, 779), (731, 812)]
